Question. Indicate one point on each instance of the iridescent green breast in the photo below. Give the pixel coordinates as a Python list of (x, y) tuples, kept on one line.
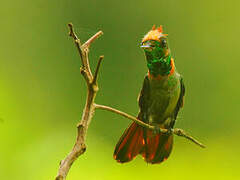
[(164, 95)]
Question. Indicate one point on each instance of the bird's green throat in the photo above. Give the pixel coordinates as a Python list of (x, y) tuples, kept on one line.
[(157, 63)]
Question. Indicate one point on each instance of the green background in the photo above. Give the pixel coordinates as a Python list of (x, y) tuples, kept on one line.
[(42, 93)]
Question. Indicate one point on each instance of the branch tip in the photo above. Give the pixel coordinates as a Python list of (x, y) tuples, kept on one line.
[(70, 25), (93, 38), (97, 70)]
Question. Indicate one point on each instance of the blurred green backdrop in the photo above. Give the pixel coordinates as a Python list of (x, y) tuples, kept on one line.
[(42, 93)]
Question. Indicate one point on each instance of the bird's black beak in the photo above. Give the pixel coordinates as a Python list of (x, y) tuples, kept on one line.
[(146, 46)]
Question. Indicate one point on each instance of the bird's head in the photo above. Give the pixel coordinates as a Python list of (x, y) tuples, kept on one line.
[(157, 52), (155, 42)]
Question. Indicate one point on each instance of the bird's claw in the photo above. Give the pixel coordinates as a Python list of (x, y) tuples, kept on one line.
[(169, 131), (156, 130)]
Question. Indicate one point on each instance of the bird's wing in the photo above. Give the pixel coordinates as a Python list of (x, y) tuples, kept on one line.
[(180, 101), (143, 100)]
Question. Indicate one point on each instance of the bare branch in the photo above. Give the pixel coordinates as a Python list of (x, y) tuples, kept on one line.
[(77, 150), (182, 133), (86, 47), (79, 147), (93, 38), (97, 70), (178, 132), (85, 75), (84, 50), (98, 106), (76, 41), (71, 31)]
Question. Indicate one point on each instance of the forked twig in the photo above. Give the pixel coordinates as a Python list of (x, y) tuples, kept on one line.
[(79, 148)]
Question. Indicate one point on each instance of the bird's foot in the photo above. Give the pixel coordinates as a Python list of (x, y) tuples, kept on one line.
[(169, 131), (158, 130)]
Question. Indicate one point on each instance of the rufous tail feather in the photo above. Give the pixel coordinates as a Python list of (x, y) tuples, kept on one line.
[(157, 147), (130, 144), (154, 148)]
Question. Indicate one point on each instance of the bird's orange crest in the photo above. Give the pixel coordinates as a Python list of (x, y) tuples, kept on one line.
[(154, 34)]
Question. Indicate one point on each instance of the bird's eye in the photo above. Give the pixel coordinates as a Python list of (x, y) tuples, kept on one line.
[(164, 43)]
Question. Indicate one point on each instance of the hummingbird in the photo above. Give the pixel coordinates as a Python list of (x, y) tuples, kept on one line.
[(160, 99)]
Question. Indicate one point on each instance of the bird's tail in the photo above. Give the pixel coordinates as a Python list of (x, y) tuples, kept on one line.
[(157, 147), (130, 144), (154, 148)]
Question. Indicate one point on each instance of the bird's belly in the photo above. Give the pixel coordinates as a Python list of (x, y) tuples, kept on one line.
[(162, 106)]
